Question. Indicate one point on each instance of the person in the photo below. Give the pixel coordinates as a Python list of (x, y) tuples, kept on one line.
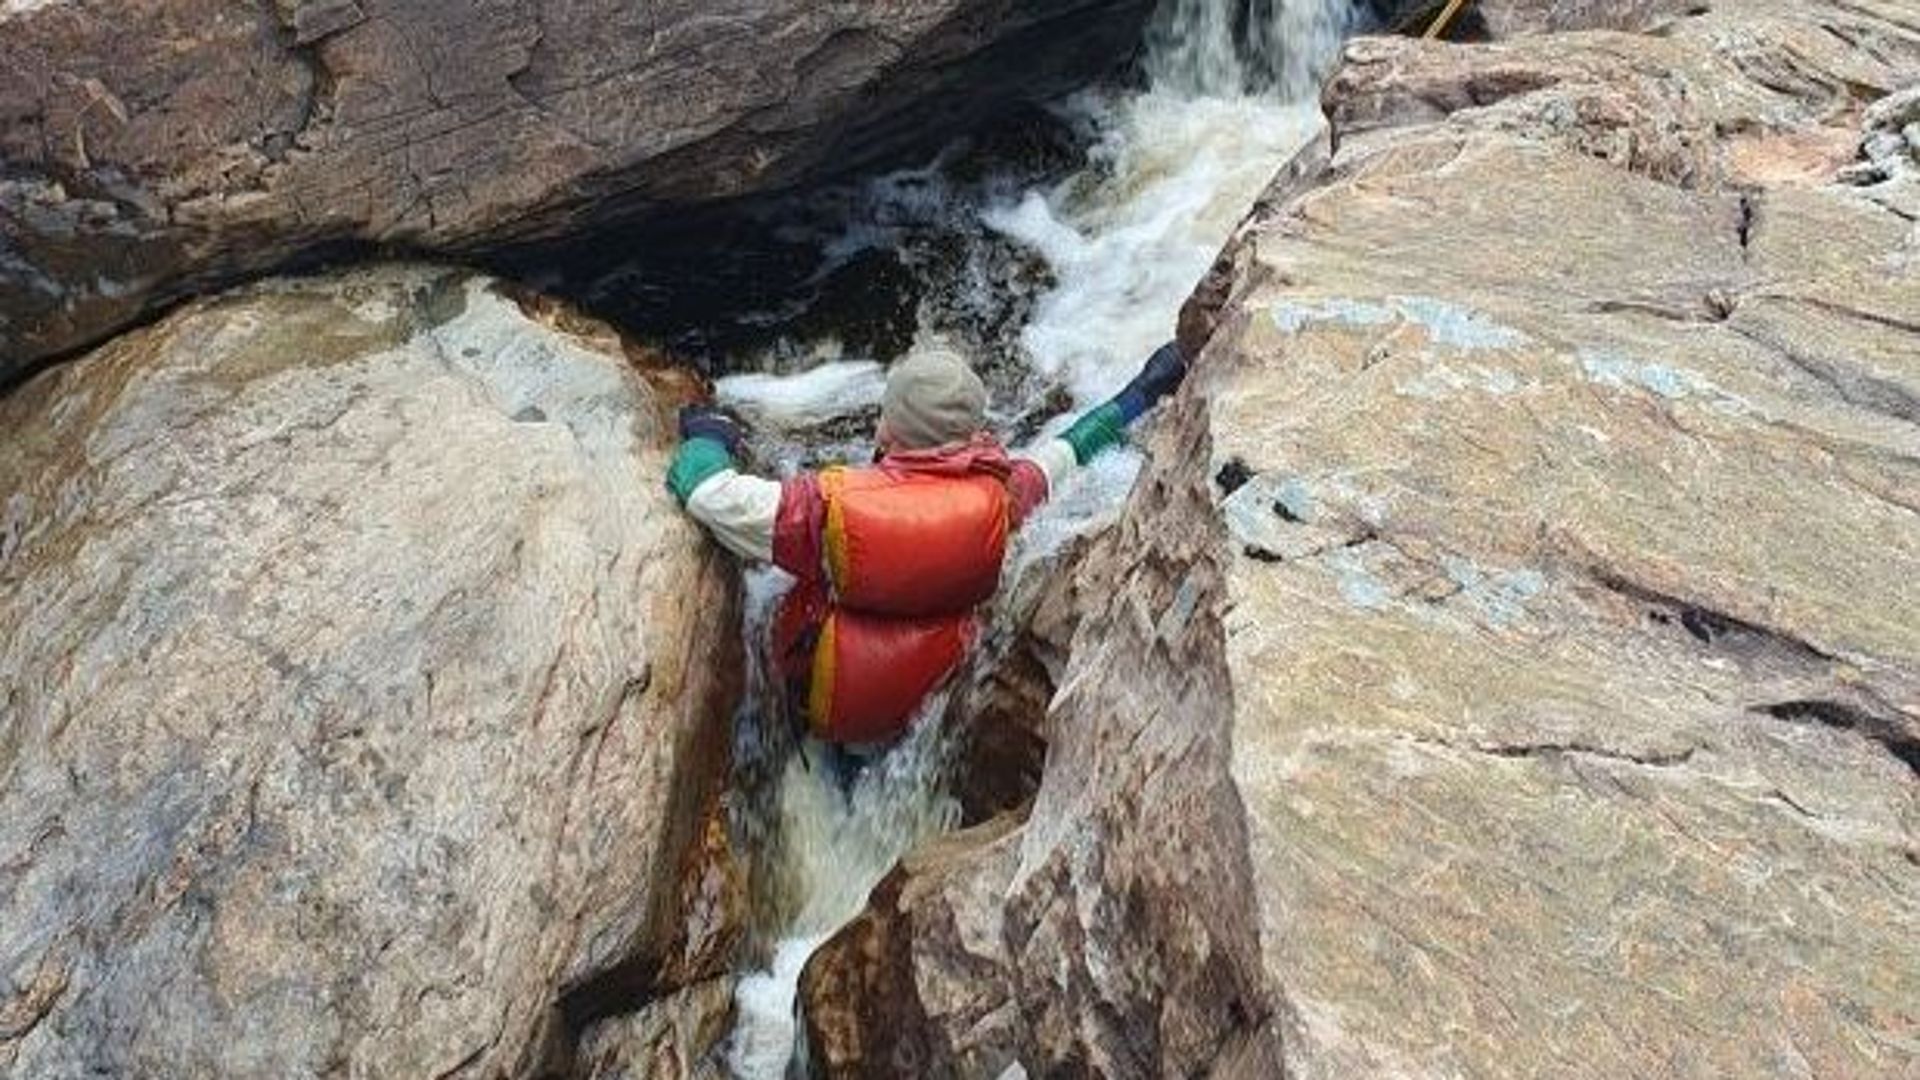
[(893, 561)]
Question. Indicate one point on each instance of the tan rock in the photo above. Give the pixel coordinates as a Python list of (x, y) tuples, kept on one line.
[(1500, 19), (362, 688), (1514, 18)]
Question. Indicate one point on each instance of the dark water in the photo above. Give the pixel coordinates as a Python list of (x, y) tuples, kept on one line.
[(758, 285)]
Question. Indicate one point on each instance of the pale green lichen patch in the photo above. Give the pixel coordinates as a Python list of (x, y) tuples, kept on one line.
[(1500, 596), (1296, 499), (1357, 583), (1293, 316), (1443, 381), (1446, 325), (1621, 371), (1458, 327), (1276, 517)]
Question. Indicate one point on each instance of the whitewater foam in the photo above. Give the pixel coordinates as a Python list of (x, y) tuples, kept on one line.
[(1172, 176), (828, 391), (832, 846)]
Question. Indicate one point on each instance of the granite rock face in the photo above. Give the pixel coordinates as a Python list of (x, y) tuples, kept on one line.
[(1513, 18), (362, 690), (1497, 20), (1506, 664), (155, 150)]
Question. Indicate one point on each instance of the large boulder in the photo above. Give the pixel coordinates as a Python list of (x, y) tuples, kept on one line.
[(362, 694), (150, 150), (1506, 664)]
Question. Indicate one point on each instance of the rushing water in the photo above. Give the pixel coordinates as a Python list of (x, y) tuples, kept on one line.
[(1119, 245)]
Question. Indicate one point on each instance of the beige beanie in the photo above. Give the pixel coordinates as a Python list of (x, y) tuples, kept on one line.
[(933, 398)]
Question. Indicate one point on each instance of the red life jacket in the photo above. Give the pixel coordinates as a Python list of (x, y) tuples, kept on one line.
[(910, 551)]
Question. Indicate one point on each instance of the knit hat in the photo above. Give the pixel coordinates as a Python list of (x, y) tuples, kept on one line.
[(933, 398)]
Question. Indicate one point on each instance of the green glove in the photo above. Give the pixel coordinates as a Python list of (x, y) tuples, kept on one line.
[(1107, 425), (709, 441)]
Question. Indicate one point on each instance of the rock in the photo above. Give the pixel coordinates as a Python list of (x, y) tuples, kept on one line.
[(866, 1015), (1482, 20), (1505, 664), (1514, 18), (675, 1038), (362, 689), (154, 151), (1000, 706)]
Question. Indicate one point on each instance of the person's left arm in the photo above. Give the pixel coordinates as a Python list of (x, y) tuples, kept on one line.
[(1041, 468)]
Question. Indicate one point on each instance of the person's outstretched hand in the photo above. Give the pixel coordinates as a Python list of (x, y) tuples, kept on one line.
[(1158, 377), (709, 422)]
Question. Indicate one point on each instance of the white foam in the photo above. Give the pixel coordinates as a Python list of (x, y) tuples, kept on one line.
[(833, 847), (763, 1033), (815, 396), (11, 8), (1174, 176), (1280, 47)]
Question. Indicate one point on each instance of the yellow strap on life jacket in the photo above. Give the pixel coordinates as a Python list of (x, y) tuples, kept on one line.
[(832, 480), (820, 681)]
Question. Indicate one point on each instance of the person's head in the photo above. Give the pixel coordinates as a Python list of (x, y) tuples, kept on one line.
[(933, 398)]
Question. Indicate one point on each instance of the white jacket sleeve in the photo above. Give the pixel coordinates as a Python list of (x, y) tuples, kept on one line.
[(1055, 458), (739, 510)]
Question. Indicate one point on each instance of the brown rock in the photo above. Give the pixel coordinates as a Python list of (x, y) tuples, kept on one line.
[(362, 689), (154, 150), (867, 1017), (675, 1038)]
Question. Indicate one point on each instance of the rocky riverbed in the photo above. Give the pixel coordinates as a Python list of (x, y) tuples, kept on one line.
[(1504, 659)]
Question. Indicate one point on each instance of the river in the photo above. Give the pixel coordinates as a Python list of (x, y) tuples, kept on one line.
[(1118, 244)]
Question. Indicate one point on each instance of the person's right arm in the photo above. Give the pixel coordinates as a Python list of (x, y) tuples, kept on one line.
[(738, 509), (769, 520)]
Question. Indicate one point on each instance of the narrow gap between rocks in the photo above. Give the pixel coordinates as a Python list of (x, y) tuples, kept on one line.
[(1058, 258)]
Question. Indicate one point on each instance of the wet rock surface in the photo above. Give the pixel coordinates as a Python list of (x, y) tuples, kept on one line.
[(361, 688), (1505, 665), (677, 1037), (155, 151)]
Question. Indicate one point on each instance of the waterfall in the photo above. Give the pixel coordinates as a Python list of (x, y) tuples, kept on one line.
[(1230, 95), (1221, 49)]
